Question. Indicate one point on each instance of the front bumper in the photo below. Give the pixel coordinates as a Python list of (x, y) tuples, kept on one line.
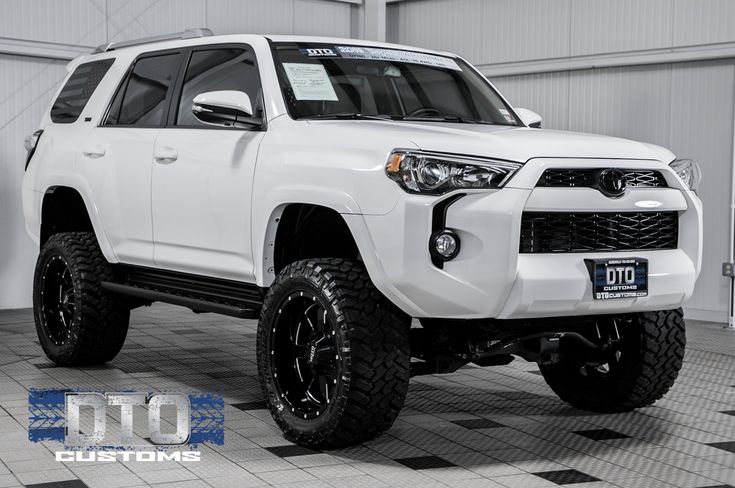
[(491, 279)]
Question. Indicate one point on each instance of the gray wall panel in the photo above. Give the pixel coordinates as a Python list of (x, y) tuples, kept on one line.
[(69, 21), (485, 31), (322, 18), (603, 26), (702, 102), (27, 86), (546, 94), (624, 102), (133, 19), (256, 16), (703, 21)]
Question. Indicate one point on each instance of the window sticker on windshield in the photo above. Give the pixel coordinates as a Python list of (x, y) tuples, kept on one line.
[(319, 53), (359, 52), (310, 82), (508, 117)]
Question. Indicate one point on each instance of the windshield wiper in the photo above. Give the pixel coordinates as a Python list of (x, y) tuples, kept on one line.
[(347, 116), (442, 118)]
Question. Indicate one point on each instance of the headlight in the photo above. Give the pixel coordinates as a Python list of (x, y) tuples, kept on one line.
[(689, 171), (436, 173)]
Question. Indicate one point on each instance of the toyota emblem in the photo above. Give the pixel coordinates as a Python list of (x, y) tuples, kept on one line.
[(611, 182)]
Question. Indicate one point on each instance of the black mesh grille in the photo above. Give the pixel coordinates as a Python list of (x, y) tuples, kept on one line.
[(547, 232), (585, 178)]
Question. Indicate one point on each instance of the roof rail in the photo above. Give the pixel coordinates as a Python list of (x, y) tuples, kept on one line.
[(187, 34)]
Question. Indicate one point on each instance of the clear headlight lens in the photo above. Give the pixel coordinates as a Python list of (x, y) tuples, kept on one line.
[(436, 173), (689, 171)]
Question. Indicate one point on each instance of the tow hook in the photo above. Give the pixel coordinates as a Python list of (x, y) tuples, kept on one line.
[(575, 345)]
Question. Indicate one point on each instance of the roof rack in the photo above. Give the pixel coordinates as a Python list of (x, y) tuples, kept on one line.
[(187, 34)]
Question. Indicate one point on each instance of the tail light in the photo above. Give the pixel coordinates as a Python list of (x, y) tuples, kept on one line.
[(31, 143)]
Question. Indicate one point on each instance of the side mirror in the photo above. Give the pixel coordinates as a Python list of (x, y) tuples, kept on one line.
[(529, 117), (224, 108)]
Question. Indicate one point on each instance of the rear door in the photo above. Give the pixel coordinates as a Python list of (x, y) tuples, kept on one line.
[(203, 174), (117, 156)]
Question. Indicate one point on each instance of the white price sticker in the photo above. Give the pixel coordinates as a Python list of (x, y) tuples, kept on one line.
[(310, 82), (360, 52)]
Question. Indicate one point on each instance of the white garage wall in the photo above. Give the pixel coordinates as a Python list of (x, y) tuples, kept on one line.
[(27, 84), (687, 107)]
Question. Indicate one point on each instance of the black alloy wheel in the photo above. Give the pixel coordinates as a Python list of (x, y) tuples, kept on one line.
[(333, 354), (304, 355), (58, 305), (77, 321)]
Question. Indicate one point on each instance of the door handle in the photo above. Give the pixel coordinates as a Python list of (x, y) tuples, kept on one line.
[(165, 155), (94, 151)]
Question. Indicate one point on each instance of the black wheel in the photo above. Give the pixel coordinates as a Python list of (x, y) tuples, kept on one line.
[(333, 354), (646, 356), (78, 323)]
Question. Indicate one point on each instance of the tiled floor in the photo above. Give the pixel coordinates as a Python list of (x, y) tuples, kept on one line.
[(494, 427)]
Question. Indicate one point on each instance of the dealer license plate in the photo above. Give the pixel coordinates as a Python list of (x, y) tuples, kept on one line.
[(618, 278)]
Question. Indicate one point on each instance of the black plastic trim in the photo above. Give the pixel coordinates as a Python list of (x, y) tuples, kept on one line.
[(192, 303), (37, 135), (200, 293), (439, 221)]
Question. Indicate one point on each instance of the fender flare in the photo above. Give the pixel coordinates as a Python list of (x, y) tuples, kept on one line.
[(267, 215), (76, 183)]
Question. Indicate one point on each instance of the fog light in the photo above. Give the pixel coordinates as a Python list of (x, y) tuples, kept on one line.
[(444, 245)]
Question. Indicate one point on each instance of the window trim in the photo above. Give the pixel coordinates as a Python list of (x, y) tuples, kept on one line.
[(123, 85), (173, 109)]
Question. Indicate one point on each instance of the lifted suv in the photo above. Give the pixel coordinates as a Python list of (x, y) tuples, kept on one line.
[(338, 189)]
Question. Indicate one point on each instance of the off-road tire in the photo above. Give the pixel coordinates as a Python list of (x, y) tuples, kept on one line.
[(648, 367), (373, 353), (100, 319)]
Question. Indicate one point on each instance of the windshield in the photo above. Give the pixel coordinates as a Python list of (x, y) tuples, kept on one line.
[(339, 81)]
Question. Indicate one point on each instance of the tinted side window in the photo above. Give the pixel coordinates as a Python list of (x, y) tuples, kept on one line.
[(78, 89), (219, 69), (142, 97)]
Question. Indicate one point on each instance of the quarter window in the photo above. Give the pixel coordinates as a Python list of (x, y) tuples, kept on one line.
[(141, 100), (219, 69), (78, 90)]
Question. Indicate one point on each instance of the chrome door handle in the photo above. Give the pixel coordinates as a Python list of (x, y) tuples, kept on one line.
[(95, 151), (165, 155)]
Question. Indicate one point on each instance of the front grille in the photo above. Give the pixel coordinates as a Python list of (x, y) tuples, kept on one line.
[(586, 178), (549, 232)]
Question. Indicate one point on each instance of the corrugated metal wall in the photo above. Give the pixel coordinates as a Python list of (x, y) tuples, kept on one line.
[(27, 84), (687, 107)]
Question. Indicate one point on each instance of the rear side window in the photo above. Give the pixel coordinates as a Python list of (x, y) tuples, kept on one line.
[(78, 89), (143, 96)]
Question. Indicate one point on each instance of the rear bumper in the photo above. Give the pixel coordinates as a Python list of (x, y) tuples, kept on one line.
[(491, 279)]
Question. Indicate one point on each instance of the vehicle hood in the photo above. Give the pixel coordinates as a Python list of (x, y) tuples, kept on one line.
[(502, 142)]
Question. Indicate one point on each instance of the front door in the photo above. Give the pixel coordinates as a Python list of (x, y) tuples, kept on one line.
[(203, 174)]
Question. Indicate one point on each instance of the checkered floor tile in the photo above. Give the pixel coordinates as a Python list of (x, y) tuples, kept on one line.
[(479, 427)]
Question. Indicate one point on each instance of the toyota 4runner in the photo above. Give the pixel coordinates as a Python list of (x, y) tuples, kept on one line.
[(338, 189)]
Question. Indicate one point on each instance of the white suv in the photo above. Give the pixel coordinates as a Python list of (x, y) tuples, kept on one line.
[(337, 189)]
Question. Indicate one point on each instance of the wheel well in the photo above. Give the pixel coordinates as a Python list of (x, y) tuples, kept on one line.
[(311, 231), (63, 211)]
